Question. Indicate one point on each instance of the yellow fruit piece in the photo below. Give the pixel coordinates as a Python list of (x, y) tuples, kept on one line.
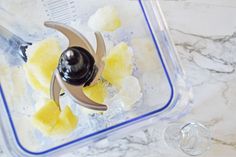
[(118, 64), (46, 118), (50, 121), (34, 82), (145, 51), (66, 123), (105, 19), (42, 62), (96, 92)]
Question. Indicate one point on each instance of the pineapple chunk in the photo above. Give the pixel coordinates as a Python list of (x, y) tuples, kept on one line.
[(96, 92), (42, 61), (46, 118), (50, 121), (34, 82), (105, 19), (66, 123), (144, 51), (118, 64)]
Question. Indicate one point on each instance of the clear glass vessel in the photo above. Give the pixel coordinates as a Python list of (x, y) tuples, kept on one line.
[(166, 94)]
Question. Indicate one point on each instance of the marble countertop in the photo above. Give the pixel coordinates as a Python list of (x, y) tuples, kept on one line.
[(204, 33)]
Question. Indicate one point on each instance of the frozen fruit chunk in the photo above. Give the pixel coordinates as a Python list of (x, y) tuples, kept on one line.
[(66, 123), (144, 50), (42, 61), (118, 64), (50, 121), (130, 92), (96, 92), (47, 116), (34, 82), (105, 19)]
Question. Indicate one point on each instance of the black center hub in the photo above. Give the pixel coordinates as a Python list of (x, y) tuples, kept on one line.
[(77, 66)]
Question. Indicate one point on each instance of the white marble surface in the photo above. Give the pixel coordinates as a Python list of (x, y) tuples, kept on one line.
[(205, 36)]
